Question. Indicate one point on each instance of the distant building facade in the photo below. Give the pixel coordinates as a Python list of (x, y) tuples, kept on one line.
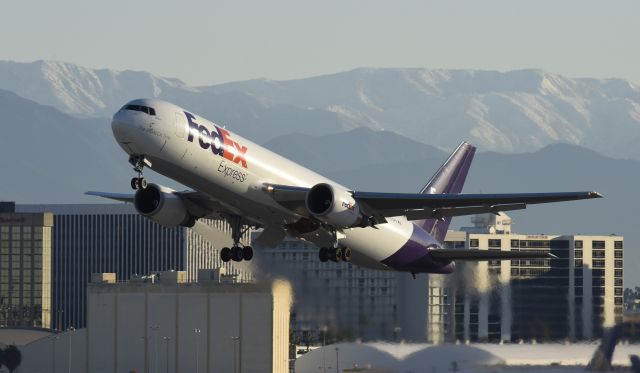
[(571, 297), (88, 238), (344, 300), (25, 268)]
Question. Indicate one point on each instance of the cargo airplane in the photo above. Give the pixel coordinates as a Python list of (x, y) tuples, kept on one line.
[(251, 187)]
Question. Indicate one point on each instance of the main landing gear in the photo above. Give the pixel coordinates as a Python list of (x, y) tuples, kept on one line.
[(238, 252), (335, 253), (138, 162)]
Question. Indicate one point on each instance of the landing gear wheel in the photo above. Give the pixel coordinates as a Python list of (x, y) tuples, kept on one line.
[(247, 253), (323, 254), (335, 254), (134, 183), (225, 254), (339, 252), (236, 254), (142, 183), (346, 254)]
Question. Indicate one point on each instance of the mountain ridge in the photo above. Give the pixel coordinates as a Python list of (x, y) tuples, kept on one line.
[(514, 111)]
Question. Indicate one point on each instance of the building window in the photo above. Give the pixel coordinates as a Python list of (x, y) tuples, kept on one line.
[(618, 301), (618, 263), (535, 244), (495, 243), (578, 263), (515, 243), (577, 244), (618, 292), (618, 282), (598, 254), (598, 245), (617, 254), (618, 245), (473, 242), (578, 254), (598, 263), (618, 273)]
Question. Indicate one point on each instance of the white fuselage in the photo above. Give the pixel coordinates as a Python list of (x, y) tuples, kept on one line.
[(186, 148)]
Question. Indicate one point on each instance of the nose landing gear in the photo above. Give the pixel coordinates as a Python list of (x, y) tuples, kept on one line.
[(138, 162)]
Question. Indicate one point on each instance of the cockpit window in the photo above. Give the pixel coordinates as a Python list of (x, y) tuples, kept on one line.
[(144, 109)]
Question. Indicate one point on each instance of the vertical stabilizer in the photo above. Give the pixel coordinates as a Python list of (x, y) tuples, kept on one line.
[(449, 179)]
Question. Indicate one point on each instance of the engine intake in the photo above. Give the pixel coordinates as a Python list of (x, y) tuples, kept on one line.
[(334, 206), (163, 206)]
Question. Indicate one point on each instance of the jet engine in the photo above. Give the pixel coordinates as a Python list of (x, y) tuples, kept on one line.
[(163, 206), (334, 206)]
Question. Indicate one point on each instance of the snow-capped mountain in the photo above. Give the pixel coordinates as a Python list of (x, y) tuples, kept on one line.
[(78, 90), (514, 111)]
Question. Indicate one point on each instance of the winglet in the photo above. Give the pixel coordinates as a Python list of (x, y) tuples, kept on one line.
[(594, 194)]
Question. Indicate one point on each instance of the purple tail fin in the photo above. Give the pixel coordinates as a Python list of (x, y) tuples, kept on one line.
[(448, 179)]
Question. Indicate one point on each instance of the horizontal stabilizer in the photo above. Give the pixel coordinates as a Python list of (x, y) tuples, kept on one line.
[(479, 255)]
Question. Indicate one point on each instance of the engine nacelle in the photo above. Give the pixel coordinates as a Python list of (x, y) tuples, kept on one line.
[(334, 206), (163, 206)]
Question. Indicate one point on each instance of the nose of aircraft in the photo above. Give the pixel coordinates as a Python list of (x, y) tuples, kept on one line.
[(121, 127)]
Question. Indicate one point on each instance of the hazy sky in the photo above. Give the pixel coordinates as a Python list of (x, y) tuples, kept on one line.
[(211, 41)]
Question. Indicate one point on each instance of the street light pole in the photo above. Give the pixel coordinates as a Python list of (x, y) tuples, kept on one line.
[(197, 331), (235, 353), (324, 343), (70, 332), (53, 355), (155, 328), (337, 360), (166, 341)]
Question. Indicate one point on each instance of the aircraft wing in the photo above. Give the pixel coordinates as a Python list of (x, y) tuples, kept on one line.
[(428, 206), (198, 204)]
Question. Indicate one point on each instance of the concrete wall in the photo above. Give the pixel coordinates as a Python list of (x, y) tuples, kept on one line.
[(188, 328), (54, 353)]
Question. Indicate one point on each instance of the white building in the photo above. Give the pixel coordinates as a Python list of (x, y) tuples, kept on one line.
[(170, 326), (573, 296)]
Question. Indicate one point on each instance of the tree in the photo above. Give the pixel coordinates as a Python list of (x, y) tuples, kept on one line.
[(12, 357)]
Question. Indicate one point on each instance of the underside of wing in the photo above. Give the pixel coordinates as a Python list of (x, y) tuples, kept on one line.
[(122, 197), (480, 255), (198, 205)]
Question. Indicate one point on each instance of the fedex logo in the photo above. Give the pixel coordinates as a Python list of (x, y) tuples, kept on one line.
[(218, 140)]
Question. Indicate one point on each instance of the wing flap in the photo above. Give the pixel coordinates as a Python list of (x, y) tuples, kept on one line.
[(460, 211), (480, 255)]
